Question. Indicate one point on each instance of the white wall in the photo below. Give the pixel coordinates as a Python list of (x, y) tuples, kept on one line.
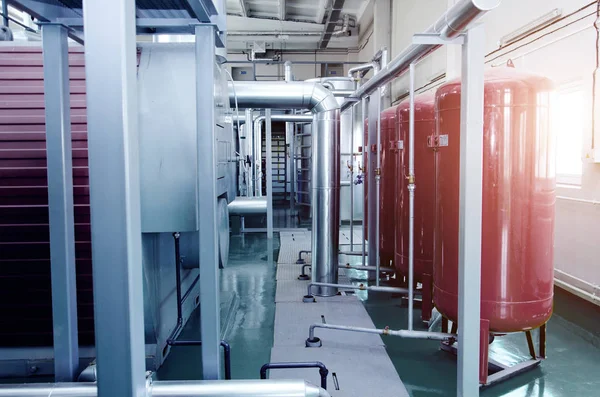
[(566, 56), (300, 71)]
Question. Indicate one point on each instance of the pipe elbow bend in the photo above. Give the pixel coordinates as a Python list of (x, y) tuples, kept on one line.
[(322, 100)]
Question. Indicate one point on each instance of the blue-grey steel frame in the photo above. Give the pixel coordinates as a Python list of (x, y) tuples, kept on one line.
[(210, 323), (110, 57), (60, 201)]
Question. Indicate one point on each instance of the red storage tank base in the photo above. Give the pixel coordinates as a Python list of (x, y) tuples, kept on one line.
[(491, 371)]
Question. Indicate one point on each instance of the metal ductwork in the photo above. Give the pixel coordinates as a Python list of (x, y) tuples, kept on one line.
[(229, 388), (451, 24), (332, 22), (326, 161)]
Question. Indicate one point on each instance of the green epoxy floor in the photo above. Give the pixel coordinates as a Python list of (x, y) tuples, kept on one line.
[(250, 275), (572, 367)]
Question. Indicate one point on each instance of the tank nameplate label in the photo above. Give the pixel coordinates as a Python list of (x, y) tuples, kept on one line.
[(443, 141)]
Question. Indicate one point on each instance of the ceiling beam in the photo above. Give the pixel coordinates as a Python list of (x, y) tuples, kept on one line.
[(198, 10), (282, 6)]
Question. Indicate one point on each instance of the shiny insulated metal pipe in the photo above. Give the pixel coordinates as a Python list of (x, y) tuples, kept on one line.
[(290, 136), (378, 186), (352, 178), (360, 287), (326, 161), (312, 341), (249, 144), (360, 68), (230, 388), (365, 191), (452, 23), (411, 196)]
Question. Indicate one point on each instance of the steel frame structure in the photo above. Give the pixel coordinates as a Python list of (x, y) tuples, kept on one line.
[(200, 11), (110, 56)]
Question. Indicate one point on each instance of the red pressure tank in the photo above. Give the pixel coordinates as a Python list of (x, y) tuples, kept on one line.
[(424, 202), (387, 202), (518, 201)]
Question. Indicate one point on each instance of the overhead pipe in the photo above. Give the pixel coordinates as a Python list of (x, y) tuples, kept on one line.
[(326, 162), (361, 69), (182, 388), (452, 23)]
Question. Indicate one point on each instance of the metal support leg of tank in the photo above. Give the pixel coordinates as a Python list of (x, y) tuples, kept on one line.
[(484, 346), (454, 328), (530, 344), (444, 324), (543, 341), (427, 301)]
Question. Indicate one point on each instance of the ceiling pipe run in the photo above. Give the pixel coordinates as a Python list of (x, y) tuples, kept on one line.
[(326, 161), (454, 22)]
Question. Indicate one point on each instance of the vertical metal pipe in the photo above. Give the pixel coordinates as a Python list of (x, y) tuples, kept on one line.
[(364, 104), (258, 165), (113, 146), (470, 211), (60, 201), (289, 135), (210, 322), (249, 144), (269, 175), (378, 186), (325, 179), (352, 178), (411, 196)]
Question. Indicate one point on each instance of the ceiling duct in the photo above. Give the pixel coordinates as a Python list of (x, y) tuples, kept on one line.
[(332, 22)]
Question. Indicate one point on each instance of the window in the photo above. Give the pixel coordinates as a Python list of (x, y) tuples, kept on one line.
[(570, 108)]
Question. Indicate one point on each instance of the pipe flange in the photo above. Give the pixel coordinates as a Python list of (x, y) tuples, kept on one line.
[(308, 299), (300, 262), (314, 342), (304, 277)]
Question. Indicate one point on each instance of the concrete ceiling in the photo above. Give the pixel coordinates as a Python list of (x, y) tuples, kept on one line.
[(289, 24)]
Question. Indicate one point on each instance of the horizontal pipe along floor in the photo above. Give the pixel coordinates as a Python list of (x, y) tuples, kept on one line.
[(358, 362)]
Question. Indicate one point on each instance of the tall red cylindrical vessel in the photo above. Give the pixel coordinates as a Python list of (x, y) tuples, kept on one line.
[(518, 201), (425, 187), (387, 223), (388, 186)]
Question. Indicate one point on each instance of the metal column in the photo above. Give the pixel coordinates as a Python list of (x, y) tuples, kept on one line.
[(210, 322), (113, 141), (269, 166), (470, 213), (60, 201), (5, 12)]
